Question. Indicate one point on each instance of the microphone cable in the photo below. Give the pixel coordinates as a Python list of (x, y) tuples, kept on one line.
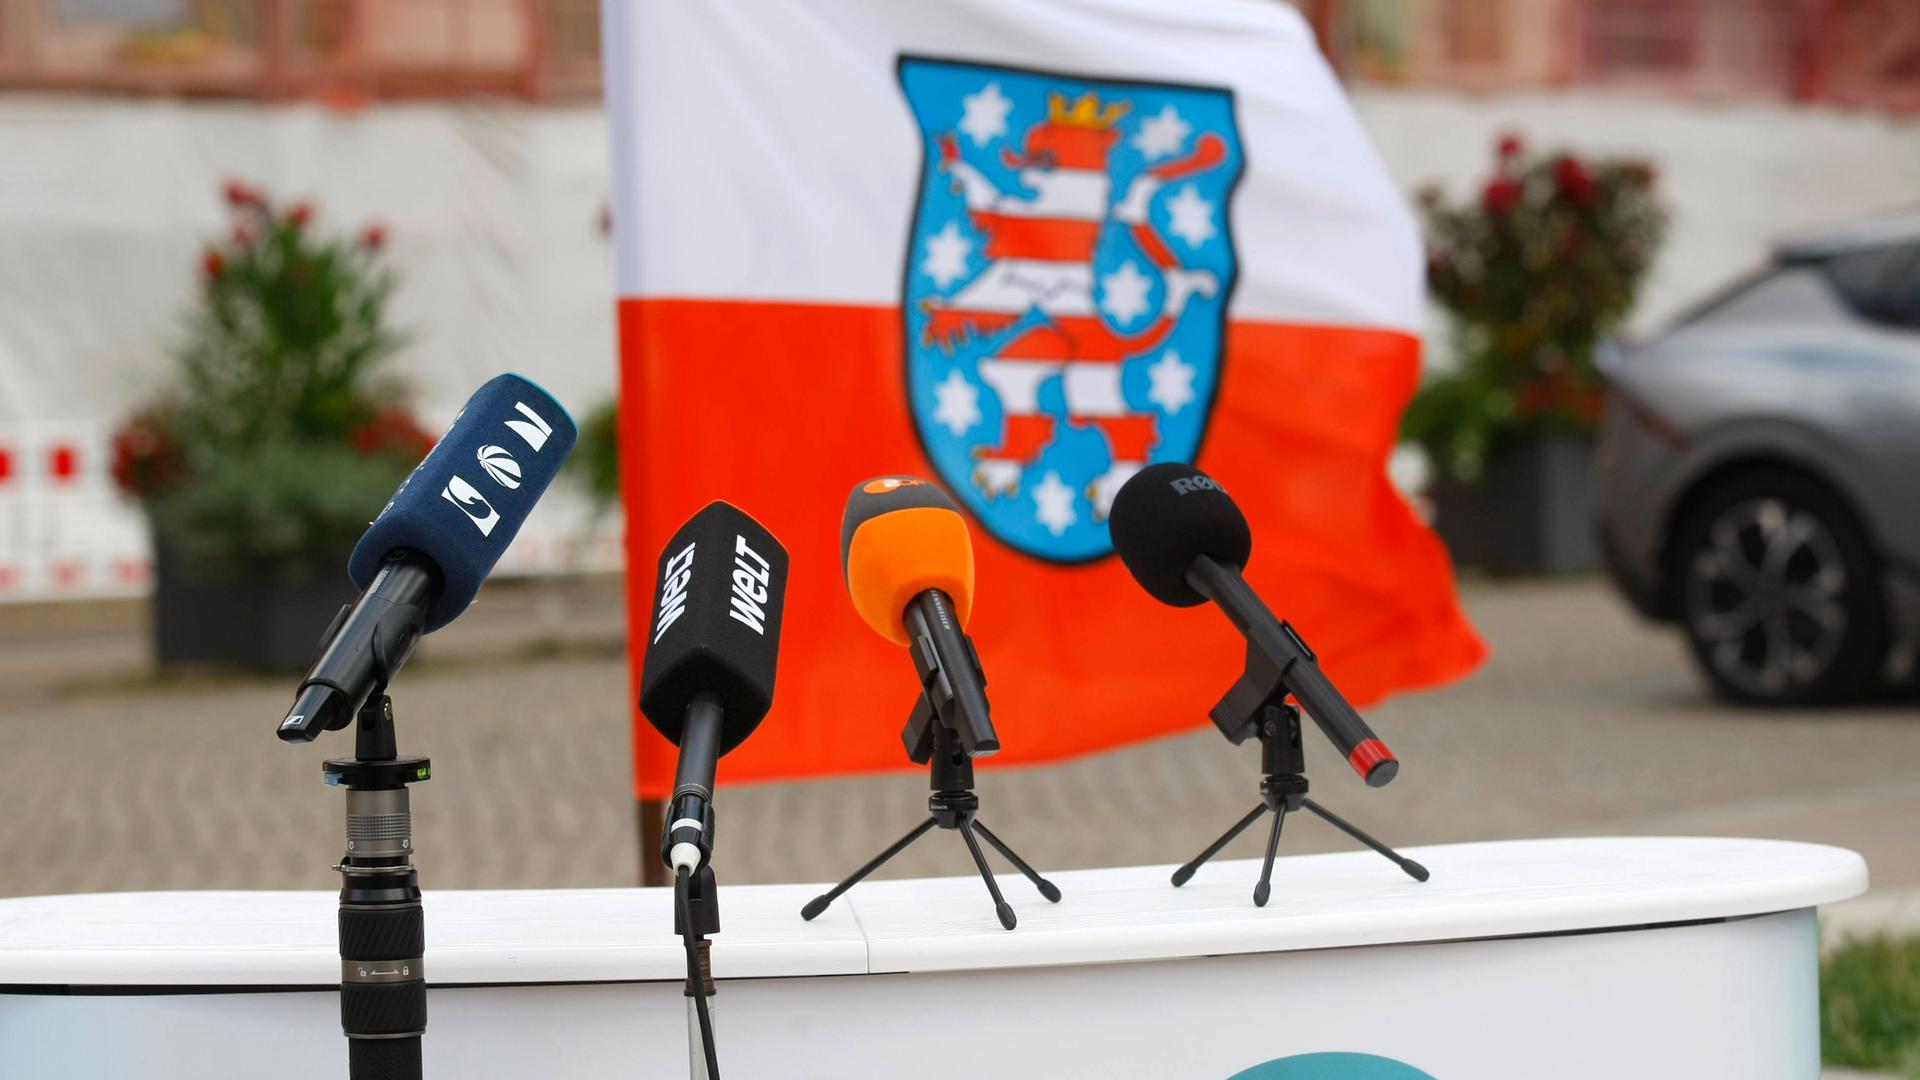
[(696, 975)]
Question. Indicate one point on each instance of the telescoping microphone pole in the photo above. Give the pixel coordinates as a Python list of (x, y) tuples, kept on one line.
[(1183, 539), (419, 564), (706, 683)]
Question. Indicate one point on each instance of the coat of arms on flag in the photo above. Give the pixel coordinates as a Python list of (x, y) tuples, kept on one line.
[(1066, 288)]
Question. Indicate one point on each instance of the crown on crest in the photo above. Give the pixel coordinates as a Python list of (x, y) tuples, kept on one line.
[(1084, 112)]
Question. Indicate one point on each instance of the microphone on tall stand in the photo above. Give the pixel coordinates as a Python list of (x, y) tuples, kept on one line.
[(419, 565), (1183, 539), (712, 653)]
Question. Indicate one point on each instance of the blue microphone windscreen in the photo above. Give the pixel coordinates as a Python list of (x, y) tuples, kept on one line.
[(462, 506)]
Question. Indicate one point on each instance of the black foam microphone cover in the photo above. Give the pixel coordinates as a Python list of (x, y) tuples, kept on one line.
[(463, 504), (1168, 515), (716, 623)]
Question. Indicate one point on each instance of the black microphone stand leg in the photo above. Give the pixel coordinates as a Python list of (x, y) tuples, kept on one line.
[(1000, 905), (1265, 887), (1047, 888), (819, 903), (1185, 873), (1413, 869)]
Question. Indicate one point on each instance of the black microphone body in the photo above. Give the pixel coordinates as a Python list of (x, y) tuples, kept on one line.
[(954, 684), (687, 841), (712, 656), (1183, 539), (1277, 651), (365, 647)]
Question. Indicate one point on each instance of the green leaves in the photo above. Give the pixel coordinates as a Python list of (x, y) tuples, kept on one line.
[(1870, 1005), (1536, 271), (280, 440), (596, 455)]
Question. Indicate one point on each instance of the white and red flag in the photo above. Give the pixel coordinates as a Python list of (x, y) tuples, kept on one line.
[(1027, 247)]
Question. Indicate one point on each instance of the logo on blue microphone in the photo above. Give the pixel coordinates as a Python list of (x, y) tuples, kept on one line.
[(471, 503), (1065, 289), (500, 466)]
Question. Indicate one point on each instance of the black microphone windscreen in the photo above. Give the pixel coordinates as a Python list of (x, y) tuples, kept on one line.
[(716, 623), (1166, 516), (463, 504)]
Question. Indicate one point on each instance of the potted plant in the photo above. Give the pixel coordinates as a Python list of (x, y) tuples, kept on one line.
[(1535, 272), (278, 440), (596, 457)]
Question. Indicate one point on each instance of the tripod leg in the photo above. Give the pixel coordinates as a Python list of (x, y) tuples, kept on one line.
[(1185, 873), (819, 903), (1047, 888), (1000, 905), (1265, 887), (1414, 870)]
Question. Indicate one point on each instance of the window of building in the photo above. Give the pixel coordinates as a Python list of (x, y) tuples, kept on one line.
[(1627, 39)]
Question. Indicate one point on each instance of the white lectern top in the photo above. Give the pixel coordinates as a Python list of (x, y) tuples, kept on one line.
[(287, 939)]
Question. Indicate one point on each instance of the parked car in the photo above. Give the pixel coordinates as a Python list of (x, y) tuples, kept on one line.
[(1759, 470)]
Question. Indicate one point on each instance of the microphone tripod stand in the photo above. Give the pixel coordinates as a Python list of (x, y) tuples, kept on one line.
[(953, 805), (1283, 790), (383, 989)]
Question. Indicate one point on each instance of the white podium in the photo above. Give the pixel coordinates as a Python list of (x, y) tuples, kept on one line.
[(1593, 958)]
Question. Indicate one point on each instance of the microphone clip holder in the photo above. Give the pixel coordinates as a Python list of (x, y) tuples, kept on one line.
[(952, 805), (1283, 785), (382, 932)]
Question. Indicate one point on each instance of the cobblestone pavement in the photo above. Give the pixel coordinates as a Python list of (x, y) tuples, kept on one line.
[(1584, 722)]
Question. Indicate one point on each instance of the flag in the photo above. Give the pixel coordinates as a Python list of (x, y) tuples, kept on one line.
[(1025, 248)]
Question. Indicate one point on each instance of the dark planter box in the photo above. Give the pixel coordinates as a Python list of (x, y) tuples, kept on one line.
[(265, 623), (1530, 513)]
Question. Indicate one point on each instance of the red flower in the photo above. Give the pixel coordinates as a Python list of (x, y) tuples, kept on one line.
[(239, 194), (1509, 147), (300, 214), (1574, 180), (392, 431), (145, 459), (1501, 195), (243, 236), (212, 264), (1554, 392), (373, 237)]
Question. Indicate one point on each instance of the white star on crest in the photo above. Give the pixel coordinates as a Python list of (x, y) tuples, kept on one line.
[(1172, 383), (947, 252), (1123, 293), (959, 407), (1192, 217), (1053, 504), (1162, 134), (986, 116)]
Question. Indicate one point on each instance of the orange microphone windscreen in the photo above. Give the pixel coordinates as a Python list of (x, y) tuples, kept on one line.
[(900, 537)]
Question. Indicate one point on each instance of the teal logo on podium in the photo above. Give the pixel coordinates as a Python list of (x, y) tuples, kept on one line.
[(1339, 1066)]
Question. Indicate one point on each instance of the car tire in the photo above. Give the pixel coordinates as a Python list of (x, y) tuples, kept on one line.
[(1779, 592)]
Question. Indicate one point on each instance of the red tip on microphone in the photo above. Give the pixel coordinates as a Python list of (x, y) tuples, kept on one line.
[(1374, 762)]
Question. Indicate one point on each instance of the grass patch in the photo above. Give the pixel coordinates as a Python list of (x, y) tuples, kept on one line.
[(1870, 1005)]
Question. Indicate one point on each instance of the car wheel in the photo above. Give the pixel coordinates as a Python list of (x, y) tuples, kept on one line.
[(1780, 592)]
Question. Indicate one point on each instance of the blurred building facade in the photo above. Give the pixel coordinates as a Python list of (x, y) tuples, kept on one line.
[(340, 51), (1853, 53), (1843, 52)]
